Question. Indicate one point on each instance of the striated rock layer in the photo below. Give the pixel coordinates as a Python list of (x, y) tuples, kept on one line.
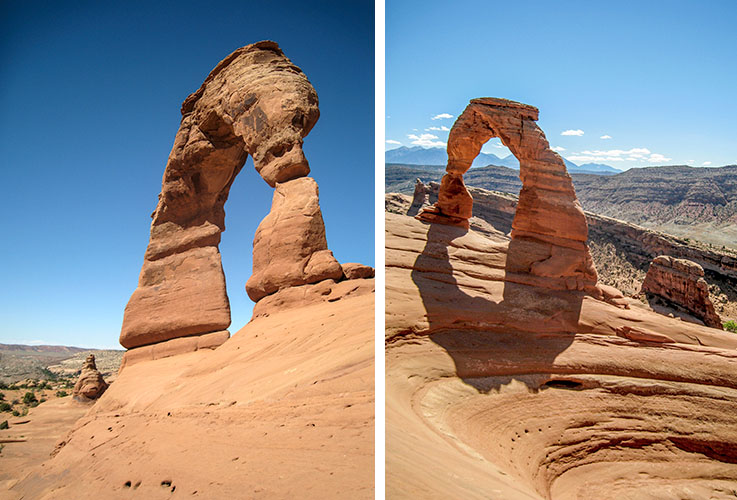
[(503, 389), (255, 102), (681, 282), (549, 231)]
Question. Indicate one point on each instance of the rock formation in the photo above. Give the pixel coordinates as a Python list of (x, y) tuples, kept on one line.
[(255, 102), (479, 349), (681, 283), (90, 384), (549, 229)]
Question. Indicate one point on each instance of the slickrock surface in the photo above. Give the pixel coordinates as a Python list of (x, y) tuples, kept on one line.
[(681, 282), (622, 252), (283, 409), (509, 390), (90, 384), (549, 231)]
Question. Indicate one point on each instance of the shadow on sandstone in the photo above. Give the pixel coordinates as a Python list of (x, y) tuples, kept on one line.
[(493, 341)]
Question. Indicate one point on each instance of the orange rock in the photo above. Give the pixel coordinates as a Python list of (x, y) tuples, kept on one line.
[(290, 248), (681, 283), (254, 102), (548, 215), (90, 384)]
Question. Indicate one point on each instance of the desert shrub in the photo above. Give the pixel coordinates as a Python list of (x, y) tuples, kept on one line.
[(3, 385), (29, 398), (2, 396), (5, 406), (42, 400), (731, 326), (48, 374), (61, 394), (16, 413), (4, 425)]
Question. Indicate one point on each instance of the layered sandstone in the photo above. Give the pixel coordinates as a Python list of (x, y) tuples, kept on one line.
[(90, 384), (549, 229), (255, 102), (502, 383), (681, 282), (290, 248)]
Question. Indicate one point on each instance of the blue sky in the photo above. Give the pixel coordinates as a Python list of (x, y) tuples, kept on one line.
[(91, 92), (623, 83)]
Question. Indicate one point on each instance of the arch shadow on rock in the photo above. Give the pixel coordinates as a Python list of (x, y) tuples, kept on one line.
[(488, 339)]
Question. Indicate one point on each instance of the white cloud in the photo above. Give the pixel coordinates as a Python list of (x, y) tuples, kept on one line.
[(426, 140), (441, 116), (605, 137), (706, 163), (392, 141), (657, 158), (442, 128), (37, 342), (577, 132), (558, 149), (634, 154)]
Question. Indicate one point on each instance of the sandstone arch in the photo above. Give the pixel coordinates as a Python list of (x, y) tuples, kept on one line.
[(255, 102), (549, 231)]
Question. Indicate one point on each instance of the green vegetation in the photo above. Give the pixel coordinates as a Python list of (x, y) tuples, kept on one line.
[(4, 425), (5, 406), (2, 396), (49, 375), (731, 326), (61, 394), (29, 398), (16, 413)]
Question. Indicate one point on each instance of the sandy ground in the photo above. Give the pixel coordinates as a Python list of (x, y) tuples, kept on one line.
[(31, 439), (284, 409)]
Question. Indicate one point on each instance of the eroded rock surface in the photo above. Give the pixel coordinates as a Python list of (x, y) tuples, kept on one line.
[(681, 282), (255, 102), (549, 229), (90, 384), (502, 382), (290, 248)]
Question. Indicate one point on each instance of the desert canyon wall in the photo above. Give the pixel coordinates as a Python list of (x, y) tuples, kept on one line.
[(512, 373)]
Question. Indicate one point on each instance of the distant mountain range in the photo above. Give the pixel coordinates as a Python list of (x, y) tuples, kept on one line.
[(418, 155)]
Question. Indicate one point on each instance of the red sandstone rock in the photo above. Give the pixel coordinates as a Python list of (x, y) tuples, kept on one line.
[(254, 102), (90, 384), (353, 271), (290, 248), (549, 230), (681, 282)]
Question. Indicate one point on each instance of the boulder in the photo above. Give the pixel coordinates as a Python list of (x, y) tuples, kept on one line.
[(354, 271), (90, 384), (681, 283)]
